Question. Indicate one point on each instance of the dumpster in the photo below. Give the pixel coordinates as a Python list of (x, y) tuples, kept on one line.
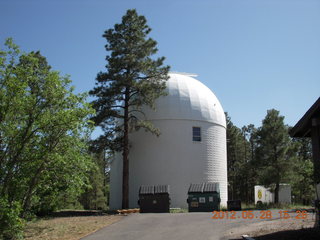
[(154, 199), (204, 197), (234, 205)]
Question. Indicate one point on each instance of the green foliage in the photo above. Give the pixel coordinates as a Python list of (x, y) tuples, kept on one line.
[(11, 224), (266, 156), (44, 130), (95, 195), (241, 145), (302, 177), (132, 80), (275, 152)]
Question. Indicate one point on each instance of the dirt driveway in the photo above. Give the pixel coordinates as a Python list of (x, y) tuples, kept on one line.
[(190, 226)]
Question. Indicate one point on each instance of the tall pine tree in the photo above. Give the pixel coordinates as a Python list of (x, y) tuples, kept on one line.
[(132, 79), (274, 153)]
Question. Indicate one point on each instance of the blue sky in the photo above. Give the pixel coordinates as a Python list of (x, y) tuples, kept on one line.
[(253, 54)]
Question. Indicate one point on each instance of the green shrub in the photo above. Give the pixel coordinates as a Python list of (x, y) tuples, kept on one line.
[(11, 225)]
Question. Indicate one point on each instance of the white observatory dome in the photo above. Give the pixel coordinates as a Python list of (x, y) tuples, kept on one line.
[(189, 99), (190, 149)]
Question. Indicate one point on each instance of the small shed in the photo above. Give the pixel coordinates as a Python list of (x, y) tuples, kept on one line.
[(309, 126)]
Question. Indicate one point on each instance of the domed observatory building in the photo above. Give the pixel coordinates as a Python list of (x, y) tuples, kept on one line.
[(190, 149)]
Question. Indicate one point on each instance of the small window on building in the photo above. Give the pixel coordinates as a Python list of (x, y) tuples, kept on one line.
[(196, 134)]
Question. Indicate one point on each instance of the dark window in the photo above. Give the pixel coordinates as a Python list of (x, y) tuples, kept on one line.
[(196, 134)]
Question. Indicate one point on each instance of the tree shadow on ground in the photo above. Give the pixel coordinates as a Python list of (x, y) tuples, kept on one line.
[(300, 234)]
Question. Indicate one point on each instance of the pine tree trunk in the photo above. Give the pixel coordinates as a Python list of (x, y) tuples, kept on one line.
[(276, 196), (125, 154)]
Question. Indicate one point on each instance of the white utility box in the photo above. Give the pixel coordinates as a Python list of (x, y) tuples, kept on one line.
[(265, 195)]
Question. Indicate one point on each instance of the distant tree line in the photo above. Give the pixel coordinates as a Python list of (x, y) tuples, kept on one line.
[(268, 156)]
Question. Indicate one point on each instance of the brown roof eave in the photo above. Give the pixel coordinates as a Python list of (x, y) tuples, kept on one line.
[(303, 126)]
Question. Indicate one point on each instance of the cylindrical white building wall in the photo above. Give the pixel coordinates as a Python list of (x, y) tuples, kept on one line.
[(116, 182), (174, 158)]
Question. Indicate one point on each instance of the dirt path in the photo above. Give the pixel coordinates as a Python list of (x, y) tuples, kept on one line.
[(291, 228)]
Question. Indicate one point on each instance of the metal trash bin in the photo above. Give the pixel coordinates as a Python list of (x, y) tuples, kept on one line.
[(154, 199), (234, 205), (204, 197)]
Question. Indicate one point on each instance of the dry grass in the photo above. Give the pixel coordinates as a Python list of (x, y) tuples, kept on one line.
[(67, 228)]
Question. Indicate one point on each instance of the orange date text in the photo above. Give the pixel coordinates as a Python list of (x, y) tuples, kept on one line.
[(263, 214)]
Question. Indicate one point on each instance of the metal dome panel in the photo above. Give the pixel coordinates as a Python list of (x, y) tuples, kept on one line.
[(187, 99)]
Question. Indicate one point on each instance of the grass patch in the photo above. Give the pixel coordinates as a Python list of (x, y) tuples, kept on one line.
[(178, 210), (265, 206), (66, 228)]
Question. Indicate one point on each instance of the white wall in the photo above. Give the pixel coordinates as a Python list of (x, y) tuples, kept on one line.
[(318, 191), (285, 193), (116, 182), (173, 159)]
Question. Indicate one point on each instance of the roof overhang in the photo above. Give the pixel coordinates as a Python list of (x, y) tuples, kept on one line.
[(303, 126)]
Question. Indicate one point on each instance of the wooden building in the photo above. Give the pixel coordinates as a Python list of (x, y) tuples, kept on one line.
[(309, 126)]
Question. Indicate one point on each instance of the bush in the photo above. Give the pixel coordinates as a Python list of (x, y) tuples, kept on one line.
[(262, 206), (11, 225)]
